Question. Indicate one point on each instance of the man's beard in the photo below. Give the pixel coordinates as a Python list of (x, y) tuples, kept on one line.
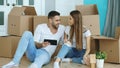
[(55, 26)]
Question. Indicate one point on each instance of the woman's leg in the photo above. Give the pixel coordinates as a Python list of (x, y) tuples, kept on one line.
[(63, 51), (71, 53), (42, 57), (61, 54), (78, 58)]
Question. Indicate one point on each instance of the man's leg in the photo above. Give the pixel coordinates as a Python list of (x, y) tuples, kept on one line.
[(24, 43), (42, 57)]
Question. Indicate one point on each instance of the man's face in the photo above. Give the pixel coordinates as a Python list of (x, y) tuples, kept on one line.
[(55, 21)]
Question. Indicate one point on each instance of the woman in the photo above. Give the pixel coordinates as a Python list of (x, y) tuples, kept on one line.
[(76, 42)]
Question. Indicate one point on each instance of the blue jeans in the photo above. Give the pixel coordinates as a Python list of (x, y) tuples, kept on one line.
[(27, 45), (73, 53)]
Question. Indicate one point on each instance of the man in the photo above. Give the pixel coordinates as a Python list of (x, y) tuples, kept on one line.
[(37, 50)]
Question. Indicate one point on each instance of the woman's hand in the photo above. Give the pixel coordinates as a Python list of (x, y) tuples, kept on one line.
[(65, 40), (86, 59)]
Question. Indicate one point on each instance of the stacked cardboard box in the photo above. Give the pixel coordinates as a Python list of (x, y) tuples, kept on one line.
[(110, 45), (44, 19), (90, 19), (8, 45), (20, 19)]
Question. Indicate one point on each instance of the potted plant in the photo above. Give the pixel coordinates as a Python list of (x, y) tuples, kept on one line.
[(100, 56)]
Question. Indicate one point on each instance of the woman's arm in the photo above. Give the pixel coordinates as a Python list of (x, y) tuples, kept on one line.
[(87, 45), (86, 56), (65, 38)]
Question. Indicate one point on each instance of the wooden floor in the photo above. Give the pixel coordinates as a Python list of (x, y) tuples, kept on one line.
[(25, 63)]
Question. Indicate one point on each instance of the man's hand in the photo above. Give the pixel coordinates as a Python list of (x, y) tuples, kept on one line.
[(40, 45), (44, 44)]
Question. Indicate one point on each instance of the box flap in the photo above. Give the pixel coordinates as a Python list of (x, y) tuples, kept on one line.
[(18, 11), (30, 10), (102, 37), (87, 9)]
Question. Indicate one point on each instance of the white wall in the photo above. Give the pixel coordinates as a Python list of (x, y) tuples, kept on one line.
[(40, 7), (43, 7), (65, 6), (49, 5)]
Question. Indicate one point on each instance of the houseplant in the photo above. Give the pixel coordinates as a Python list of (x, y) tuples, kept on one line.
[(100, 56)]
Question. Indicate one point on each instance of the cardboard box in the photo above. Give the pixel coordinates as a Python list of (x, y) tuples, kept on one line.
[(8, 45), (93, 47), (64, 21), (110, 45), (20, 19), (90, 17), (44, 19)]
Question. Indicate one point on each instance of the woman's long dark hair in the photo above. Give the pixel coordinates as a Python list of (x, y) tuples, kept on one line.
[(76, 29)]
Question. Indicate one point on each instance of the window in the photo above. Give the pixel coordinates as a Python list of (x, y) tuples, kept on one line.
[(20, 2), (1, 2), (1, 18), (31, 2)]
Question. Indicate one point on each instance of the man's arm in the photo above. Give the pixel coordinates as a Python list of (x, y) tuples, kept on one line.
[(38, 45)]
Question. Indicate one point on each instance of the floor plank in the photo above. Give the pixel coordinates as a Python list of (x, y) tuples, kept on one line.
[(25, 63)]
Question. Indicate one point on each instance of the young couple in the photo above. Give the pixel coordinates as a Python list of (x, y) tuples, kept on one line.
[(76, 45)]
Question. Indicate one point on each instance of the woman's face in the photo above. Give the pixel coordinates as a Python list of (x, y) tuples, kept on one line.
[(71, 21)]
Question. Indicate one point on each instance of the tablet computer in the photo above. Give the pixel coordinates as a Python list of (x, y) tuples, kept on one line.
[(51, 41)]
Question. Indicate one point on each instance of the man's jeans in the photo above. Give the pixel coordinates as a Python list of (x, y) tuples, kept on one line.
[(27, 45), (73, 53)]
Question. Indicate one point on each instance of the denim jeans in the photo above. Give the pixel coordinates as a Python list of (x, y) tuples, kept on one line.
[(73, 53), (27, 45)]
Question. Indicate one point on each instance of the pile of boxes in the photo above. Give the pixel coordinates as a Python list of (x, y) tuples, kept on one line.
[(20, 19), (111, 46), (90, 19)]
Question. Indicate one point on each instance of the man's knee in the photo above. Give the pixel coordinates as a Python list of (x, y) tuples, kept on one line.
[(27, 33)]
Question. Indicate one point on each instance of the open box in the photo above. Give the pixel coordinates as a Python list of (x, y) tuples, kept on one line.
[(90, 17), (110, 45), (20, 19)]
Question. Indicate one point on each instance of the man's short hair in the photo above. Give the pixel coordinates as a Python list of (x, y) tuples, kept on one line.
[(51, 14)]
